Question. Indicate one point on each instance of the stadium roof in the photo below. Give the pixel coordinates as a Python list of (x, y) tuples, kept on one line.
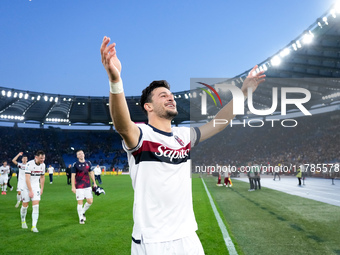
[(311, 61)]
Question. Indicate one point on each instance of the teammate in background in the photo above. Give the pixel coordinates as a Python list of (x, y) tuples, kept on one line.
[(97, 174), (34, 173), (219, 179), (227, 180), (68, 174), (50, 173), (21, 175), (4, 171), (81, 185), (159, 160)]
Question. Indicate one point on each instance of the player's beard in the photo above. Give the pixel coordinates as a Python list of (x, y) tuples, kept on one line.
[(168, 114)]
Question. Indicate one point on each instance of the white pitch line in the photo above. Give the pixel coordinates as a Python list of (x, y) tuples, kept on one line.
[(225, 234)]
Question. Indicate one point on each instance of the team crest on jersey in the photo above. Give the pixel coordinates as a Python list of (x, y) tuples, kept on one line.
[(179, 140)]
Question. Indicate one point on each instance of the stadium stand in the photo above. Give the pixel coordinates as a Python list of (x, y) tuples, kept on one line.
[(101, 147)]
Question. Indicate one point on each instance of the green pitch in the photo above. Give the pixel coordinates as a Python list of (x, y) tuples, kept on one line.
[(266, 222), (271, 222)]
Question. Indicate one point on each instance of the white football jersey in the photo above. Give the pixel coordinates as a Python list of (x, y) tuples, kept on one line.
[(4, 170), (160, 169), (50, 170), (35, 171), (22, 176)]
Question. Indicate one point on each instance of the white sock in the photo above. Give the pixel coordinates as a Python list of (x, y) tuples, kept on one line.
[(86, 207), (23, 213), (35, 215), (18, 198), (80, 211), (5, 187)]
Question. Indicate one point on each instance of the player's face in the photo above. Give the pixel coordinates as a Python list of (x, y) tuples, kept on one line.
[(24, 160), (163, 103), (39, 159), (80, 155), (5, 163)]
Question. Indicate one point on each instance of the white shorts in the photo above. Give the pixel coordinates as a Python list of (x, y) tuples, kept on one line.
[(190, 245), (3, 179), (81, 194), (26, 198)]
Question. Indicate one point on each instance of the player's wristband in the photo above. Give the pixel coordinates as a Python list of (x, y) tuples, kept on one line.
[(116, 87)]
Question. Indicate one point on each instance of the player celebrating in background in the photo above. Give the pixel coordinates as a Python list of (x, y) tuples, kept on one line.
[(21, 175), (34, 172), (81, 185), (159, 160), (4, 171)]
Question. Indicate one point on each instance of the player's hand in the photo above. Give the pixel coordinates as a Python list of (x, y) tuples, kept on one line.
[(253, 80), (110, 60), (74, 190), (21, 153), (41, 191), (31, 194)]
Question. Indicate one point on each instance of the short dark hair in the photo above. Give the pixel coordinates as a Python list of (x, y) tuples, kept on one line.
[(147, 92), (39, 152)]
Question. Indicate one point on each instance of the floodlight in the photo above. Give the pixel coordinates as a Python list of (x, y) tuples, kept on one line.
[(276, 61), (307, 38)]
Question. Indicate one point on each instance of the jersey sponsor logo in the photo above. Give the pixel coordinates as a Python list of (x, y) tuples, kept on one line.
[(172, 154), (150, 151), (36, 173)]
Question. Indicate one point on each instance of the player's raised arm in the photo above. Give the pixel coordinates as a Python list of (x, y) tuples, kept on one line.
[(118, 106), (14, 160), (226, 113)]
